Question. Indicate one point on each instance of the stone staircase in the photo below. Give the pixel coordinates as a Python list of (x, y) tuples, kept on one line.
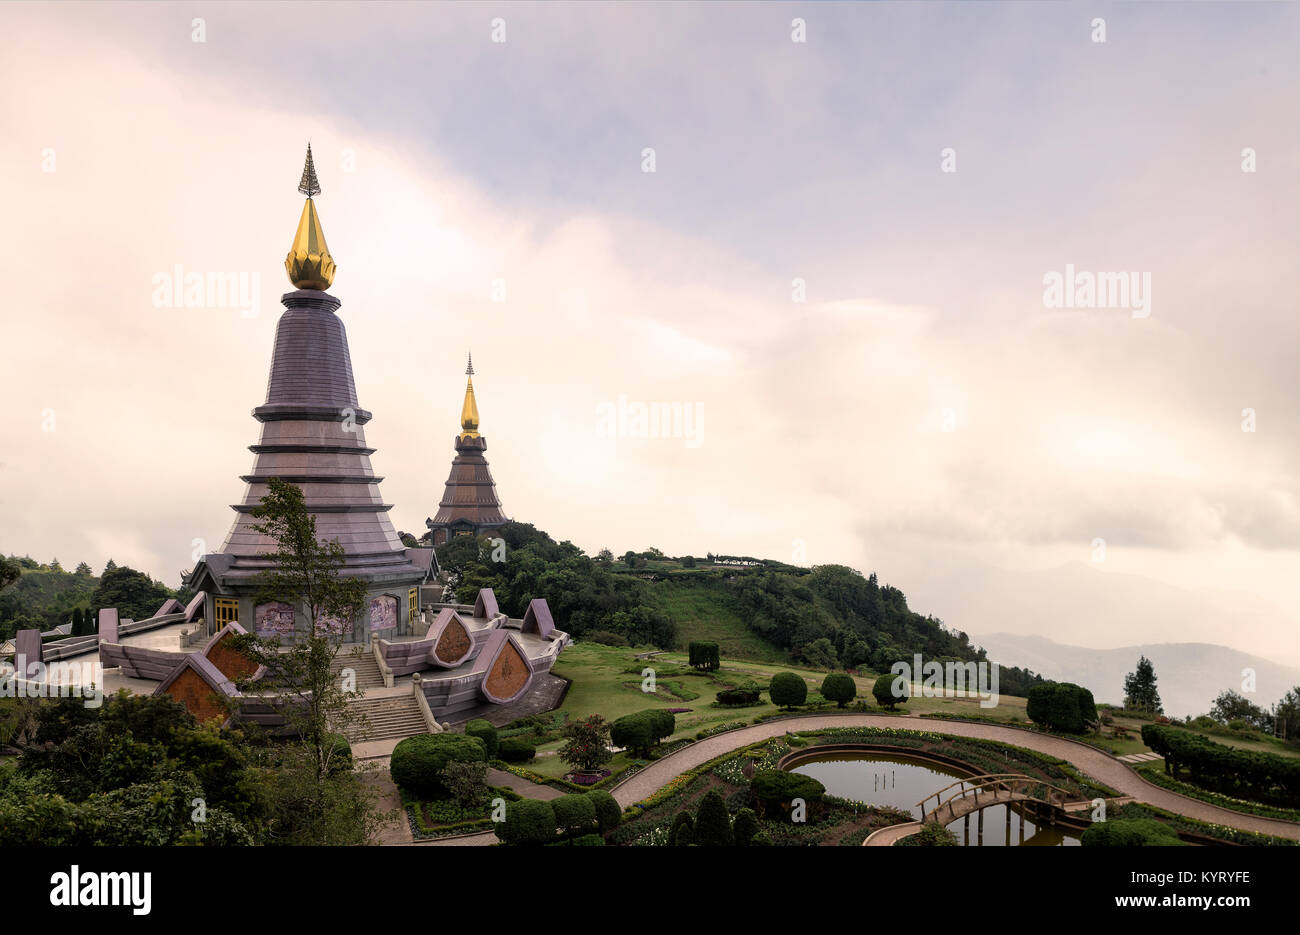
[(364, 667), (390, 718)]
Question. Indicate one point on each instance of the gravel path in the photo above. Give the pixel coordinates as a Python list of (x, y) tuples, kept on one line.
[(1087, 759)]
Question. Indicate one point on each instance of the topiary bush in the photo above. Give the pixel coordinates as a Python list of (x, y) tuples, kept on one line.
[(884, 691), (787, 690), (340, 754), (1061, 706), (704, 655), (528, 822), (641, 730), (682, 833), (575, 814), (417, 761), (712, 823), (744, 827), (485, 732), (774, 791), (516, 750), (608, 813), (737, 697), (840, 688)]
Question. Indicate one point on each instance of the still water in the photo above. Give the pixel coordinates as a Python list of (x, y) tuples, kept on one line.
[(901, 782)]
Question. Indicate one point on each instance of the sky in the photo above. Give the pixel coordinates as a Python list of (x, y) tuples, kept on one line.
[(838, 267)]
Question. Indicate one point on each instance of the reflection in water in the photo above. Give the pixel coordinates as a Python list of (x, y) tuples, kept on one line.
[(901, 782)]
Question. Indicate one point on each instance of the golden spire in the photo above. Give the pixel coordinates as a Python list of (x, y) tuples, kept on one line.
[(469, 411), (309, 263)]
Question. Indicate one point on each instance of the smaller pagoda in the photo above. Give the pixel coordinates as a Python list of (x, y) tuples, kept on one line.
[(469, 505)]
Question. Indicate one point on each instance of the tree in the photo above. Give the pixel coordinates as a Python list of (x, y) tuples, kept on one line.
[(110, 565), (9, 572), (1140, 692), (1287, 715), (465, 781), (632, 732), (787, 690), (83, 570), (704, 655), (527, 822), (840, 688), (712, 823), (744, 827), (629, 557), (575, 814), (305, 572), (587, 748), (820, 654), (135, 595), (682, 832), (1230, 706), (605, 557), (688, 561), (884, 691), (609, 814)]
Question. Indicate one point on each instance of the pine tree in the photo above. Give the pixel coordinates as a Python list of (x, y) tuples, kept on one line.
[(712, 823), (1140, 692)]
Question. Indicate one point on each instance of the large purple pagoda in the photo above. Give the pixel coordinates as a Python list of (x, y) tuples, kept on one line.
[(313, 435)]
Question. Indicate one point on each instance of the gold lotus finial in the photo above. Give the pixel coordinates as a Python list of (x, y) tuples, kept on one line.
[(309, 263), (469, 411)]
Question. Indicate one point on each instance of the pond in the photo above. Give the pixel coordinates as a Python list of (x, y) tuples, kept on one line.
[(901, 781)]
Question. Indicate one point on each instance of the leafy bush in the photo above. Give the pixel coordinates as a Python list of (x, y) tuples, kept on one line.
[(932, 834), (738, 697), (712, 823), (527, 822), (1130, 832), (840, 688), (575, 814), (588, 743), (744, 827), (1247, 774), (775, 789), (417, 762), (787, 690), (516, 750), (682, 833), (704, 655), (608, 813), (1061, 706), (606, 638), (641, 730), (883, 691), (485, 732)]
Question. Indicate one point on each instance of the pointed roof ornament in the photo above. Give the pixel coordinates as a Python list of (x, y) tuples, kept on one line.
[(309, 185), (309, 263), (469, 410)]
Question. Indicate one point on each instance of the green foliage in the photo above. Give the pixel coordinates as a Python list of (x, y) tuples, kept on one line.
[(608, 812), (787, 690), (575, 814), (738, 697), (704, 655), (932, 834), (891, 690), (1061, 706), (528, 822), (133, 593), (485, 732), (712, 823), (516, 749), (1230, 706), (465, 781), (1140, 692), (745, 827), (682, 833), (587, 746), (840, 688), (1247, 774), (417, 762), (641, 730), (1130, 832), (820, 654), (774, 791)]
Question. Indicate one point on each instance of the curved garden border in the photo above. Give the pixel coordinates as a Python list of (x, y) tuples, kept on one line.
[(1090, 760)]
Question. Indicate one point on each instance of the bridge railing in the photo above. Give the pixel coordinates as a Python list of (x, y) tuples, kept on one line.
[(988, 782)]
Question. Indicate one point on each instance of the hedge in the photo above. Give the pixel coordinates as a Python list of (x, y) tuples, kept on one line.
[(527, 822), (704, 655), (516, 750), (1061, 706), (1130, 832), (485, 732), (417, 761), (1249, 774)]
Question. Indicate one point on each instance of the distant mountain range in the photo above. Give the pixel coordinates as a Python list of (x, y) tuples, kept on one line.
[(1189, 675)]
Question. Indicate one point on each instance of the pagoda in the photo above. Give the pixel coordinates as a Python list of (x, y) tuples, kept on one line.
[(313, 435), (469, 505)]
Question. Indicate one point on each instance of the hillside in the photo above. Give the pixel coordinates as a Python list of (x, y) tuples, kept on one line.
[(827, 617)]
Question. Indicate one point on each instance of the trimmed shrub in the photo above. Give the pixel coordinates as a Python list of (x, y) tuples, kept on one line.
[(608, 813), (737, 697), (712, 823), (682, 833), (1247, 774), (1130, 832), (704, 655), (516, 750), (744, 827), (775, 789), (485, 732), (883, 691), (840, 688), (340, 754), (787, 690), (575, 814), (1061, 706), (417, 761), (641, 730), (528, 822), (662, 723), (932, 834)]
